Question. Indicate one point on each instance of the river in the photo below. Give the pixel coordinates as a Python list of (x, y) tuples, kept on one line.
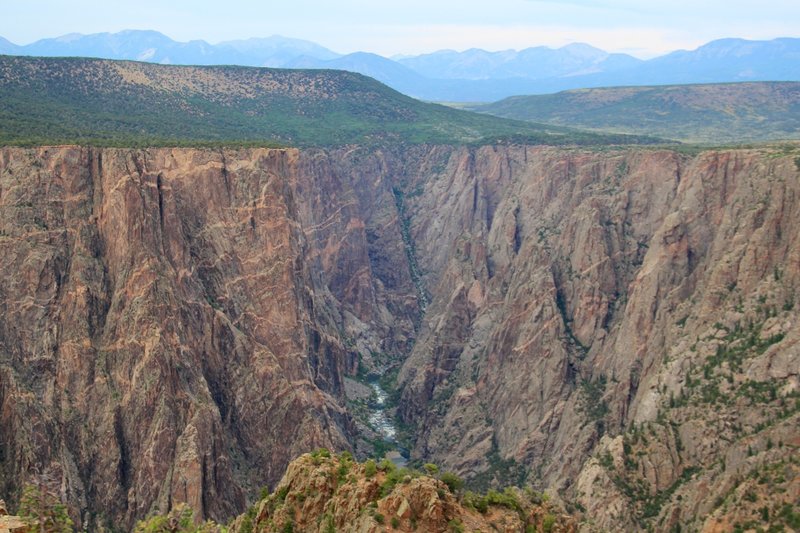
[(383, 423)]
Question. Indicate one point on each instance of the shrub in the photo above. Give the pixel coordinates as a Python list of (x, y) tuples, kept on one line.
[(282, 492), (370, 468), (330, 527), (456, 526), (534, 496), (43, 508), (475, 501), (548, 523), (247, 520), (386, 466), (453, 482), (507, 498), (342, 471), (323, 452), (346, 456)]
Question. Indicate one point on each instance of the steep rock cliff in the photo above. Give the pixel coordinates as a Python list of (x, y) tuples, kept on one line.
[(177, 323), (635, 296), (616, 326)]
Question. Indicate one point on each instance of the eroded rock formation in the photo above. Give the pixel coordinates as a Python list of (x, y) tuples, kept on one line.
[(643, 297), (321, 493), (174, 321), (618, 326)]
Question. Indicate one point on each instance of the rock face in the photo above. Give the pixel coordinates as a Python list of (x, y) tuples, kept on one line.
[(174, 321), (321, 493), (647, 298), (619, 327), (10, 524)]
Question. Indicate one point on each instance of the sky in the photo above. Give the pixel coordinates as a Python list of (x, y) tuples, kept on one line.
[(644, 28)]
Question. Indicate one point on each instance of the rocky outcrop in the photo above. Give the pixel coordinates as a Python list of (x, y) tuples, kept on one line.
[(12, 524), (324, 493), (616, 326), (8, 523)]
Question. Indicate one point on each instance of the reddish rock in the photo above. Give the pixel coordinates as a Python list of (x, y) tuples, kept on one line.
[(176, 323)]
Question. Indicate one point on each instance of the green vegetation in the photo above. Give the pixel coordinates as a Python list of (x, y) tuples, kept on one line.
[(592, 404), (500, 472), (397, 475), (455, 526), (430, 469), (713, 113), (714, 382), (370, 468), (647, 505), (411, 253), (44, 511), (508, 498), (247, 520), (181, 520), (453, 482), (548, 523), (123, 103)]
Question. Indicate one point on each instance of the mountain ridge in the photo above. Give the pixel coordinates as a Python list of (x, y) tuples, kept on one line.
[(707, 113), (97, 101), (473, 75)]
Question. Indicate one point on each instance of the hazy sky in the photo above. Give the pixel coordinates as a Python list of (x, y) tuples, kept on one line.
[(641, 27)]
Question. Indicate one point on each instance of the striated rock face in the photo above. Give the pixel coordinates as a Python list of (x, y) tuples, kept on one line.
[(619, 327), (646, 296), (174, 321)]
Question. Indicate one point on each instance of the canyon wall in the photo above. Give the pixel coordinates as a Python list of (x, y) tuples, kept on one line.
[(615, 326), (174, 322)]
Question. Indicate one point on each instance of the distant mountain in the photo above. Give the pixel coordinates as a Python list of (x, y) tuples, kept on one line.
[(106, 102), (480, 76), (130, 44), (155, 47), (732, 112), (721, 61), (7, 47), (277, 51), (532, 63), (410, 82), (449, 76), (385, 70)]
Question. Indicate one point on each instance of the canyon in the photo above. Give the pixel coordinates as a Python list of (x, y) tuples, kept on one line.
[(614, 325)]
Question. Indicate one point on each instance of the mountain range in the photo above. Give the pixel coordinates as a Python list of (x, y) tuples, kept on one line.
[(470, 76)]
